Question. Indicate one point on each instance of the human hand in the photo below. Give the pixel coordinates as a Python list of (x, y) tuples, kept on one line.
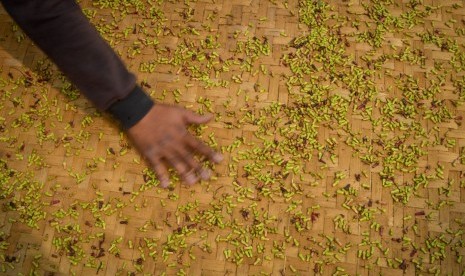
[(163, 139)]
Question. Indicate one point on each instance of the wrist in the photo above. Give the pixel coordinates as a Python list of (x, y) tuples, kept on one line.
[(130, 110)]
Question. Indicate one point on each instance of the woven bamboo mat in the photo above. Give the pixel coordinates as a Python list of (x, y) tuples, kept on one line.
[(340, 122)]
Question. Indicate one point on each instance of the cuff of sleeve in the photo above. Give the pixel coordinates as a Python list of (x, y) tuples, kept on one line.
[(132, 109)]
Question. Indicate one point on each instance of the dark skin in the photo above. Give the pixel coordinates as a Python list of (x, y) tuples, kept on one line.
[(163, 139)]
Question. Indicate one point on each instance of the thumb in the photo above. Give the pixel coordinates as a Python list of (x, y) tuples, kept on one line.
[(194, 118)]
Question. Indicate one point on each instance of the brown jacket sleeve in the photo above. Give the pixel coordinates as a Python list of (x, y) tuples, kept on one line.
[(63, 32)]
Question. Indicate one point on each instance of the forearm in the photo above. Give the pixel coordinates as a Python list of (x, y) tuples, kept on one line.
[(62, 31)]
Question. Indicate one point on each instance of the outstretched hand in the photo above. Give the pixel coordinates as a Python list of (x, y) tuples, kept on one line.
[(163, 139)]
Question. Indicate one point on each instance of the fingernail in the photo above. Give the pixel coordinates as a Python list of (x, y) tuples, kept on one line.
[(205, 174), (191, 179), (217, 157), (164, 183)]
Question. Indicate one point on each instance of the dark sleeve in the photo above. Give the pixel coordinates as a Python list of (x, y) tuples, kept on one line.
[(63, 32)]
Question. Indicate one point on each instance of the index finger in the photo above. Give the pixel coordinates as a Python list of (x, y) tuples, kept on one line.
[(200, 147)]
